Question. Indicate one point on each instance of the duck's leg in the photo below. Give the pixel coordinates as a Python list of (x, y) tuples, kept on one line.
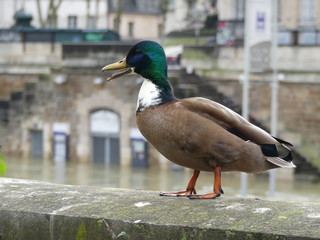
[(190, 188), (217, 190)]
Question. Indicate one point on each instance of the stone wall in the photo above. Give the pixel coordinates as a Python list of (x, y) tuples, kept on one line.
[(40, 101), (231, 59), (39, 210), (70, 103)]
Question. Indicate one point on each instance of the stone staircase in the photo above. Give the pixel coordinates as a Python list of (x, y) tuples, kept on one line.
[(11, 105), (190, 85), (17, 102)]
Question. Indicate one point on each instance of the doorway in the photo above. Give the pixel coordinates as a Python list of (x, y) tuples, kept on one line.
[(36, 144), (105, 136)]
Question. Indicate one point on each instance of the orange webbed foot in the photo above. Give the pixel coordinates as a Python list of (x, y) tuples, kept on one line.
[(217, 190), (190, 188), (205, 196), (179, 194)]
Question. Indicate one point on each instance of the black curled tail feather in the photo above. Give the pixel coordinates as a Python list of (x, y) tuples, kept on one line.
[(280, 154), (269, 150), (279, 150), (287, 144)]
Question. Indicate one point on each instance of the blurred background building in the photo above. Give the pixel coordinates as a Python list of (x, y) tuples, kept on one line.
[(298, 21), (53, 104), (70, 14)]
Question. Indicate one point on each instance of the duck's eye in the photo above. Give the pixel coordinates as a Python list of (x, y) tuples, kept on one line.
[(137, 51)]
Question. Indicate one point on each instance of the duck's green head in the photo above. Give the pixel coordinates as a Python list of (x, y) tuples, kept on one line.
[(146, 58)]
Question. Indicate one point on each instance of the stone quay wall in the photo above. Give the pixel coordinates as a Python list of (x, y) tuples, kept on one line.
[(40, 210)]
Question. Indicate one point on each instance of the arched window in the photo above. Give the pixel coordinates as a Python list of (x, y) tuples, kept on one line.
[(105, 132)]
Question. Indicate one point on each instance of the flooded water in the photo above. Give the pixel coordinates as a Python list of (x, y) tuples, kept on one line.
[(288, 188)]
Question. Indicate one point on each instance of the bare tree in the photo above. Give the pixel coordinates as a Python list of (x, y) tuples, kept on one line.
[(118, 16), (88, 12), (164, 7), (96, 17), (42, 22), (97, 13), (190, 4), (51, 16)]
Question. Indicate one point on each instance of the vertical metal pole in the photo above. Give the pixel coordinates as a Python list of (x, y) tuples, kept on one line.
[(246, 86), (274, 88)]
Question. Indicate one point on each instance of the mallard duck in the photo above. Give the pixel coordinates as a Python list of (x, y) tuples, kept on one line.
[(196, 132)]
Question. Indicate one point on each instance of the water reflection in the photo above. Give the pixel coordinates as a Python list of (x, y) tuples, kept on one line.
[(89, 174)]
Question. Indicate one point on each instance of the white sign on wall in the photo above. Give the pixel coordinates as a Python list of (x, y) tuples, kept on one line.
[(60, 138), (260, 21)]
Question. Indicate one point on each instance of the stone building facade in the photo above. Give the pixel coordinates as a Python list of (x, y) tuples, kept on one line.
[(45, 103), (292, 14), (136, 16), (60, 97), (49, 91)]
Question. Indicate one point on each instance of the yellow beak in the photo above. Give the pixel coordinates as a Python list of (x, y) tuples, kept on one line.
[(122, 64), (114, 66)]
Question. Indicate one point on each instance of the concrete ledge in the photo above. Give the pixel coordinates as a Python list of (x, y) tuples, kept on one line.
[(39, 210)]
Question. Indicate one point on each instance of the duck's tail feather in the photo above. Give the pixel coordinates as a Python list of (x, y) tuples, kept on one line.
[(287, 144), (280, 162), (279, 154)]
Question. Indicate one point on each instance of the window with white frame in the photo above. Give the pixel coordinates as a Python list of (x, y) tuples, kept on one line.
[(50, 22), (239, 9), (171, 5), (307, 12), (160, 30), (91, 22), (130, 29), (72, 22)]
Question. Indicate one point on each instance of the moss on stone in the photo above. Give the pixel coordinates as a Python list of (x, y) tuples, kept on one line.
[(82, 232)]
